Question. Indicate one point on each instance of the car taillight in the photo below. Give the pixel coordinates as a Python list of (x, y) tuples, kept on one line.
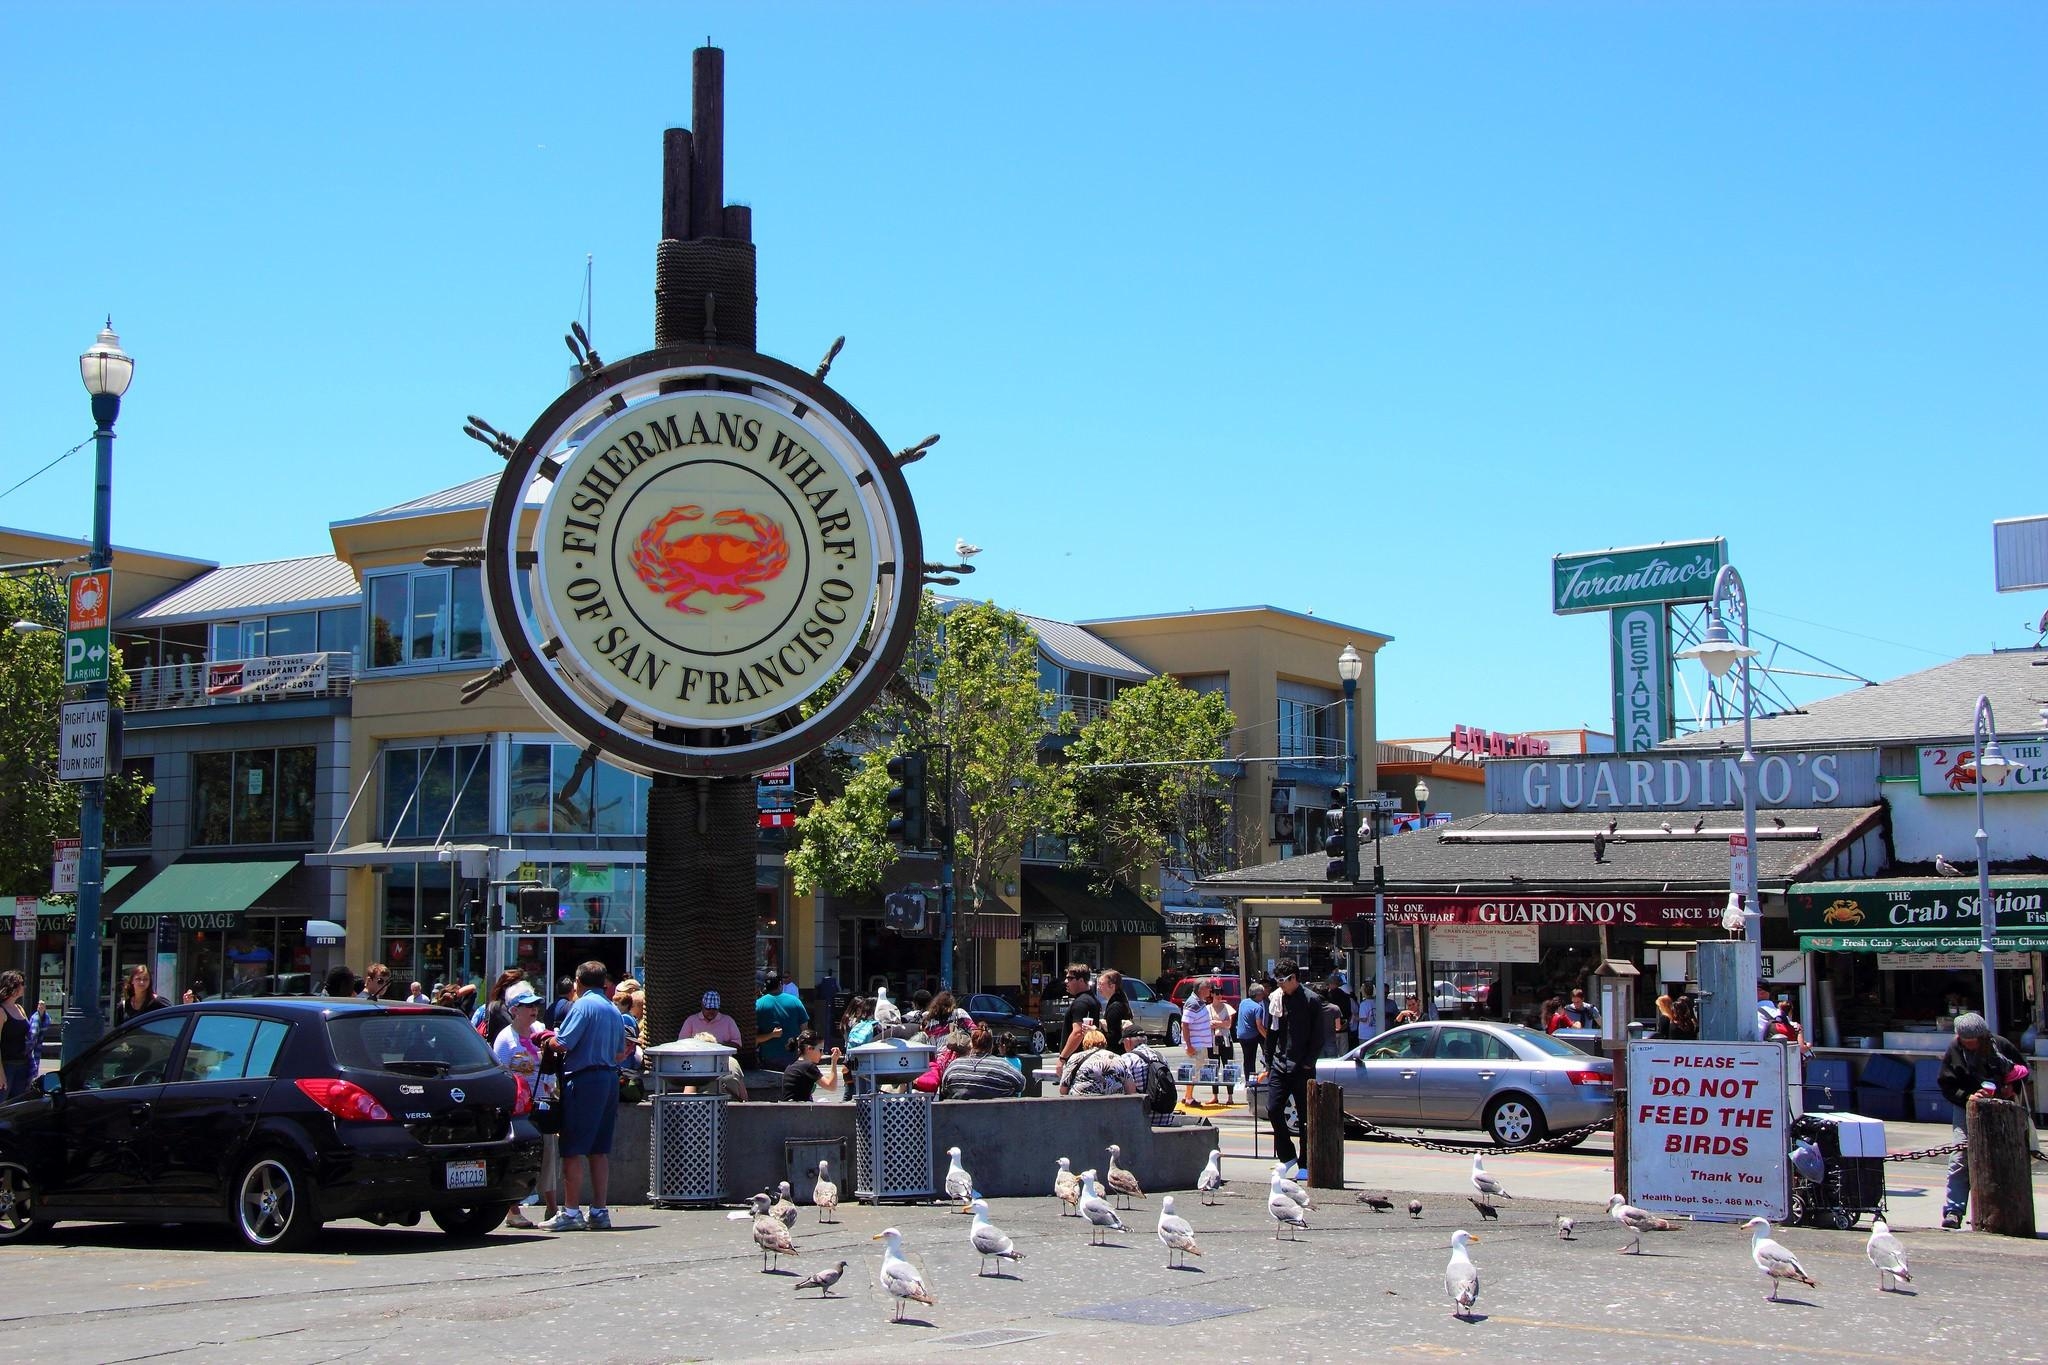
[(1589, 1078), (344, 1099)]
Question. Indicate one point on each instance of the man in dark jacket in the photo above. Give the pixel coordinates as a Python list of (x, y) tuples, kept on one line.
[(1976, 1059), (1294, 1035)]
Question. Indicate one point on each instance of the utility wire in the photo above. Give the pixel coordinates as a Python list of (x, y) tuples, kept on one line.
[(53, 464)]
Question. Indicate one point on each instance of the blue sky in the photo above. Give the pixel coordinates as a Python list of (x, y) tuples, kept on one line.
[(1364, 310)]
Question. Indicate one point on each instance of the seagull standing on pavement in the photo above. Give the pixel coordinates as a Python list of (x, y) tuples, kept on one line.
[(1461, 1277), (1287, 1213), (1636, 1221), (1564, 1228), (989, 1241), (898, 1277), (1773, 1262), (1175, 1234), (1066, 1187), (1210, 1181), (959, 1184), (824, 1194), (1093, 1207), (1121, 1182), (1290, 1189), (1489, 1188), (784, 1207), (1888, 1254)]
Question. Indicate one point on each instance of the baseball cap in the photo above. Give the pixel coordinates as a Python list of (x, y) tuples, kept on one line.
[(711, 1001), (521, 994)]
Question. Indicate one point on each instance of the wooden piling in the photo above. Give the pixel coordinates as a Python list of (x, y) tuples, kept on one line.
[(2001, 1185), (1324, 1144)]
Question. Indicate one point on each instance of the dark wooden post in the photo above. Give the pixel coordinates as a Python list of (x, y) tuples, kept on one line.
[(1620, 1056), (1324, 1144), (2001, 1185)]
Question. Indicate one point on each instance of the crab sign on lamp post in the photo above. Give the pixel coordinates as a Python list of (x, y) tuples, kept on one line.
[(1990, 760), (1720, 652)]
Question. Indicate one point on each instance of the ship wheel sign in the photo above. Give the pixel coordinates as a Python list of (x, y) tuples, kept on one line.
[(718, 536)]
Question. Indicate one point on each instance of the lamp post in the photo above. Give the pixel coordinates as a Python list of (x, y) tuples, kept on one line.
[(106, 370), (1350, 668), (1991, 759), (1719, 652), (1421, 802)]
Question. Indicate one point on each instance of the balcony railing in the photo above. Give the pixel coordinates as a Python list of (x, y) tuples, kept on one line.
[(229, 682), (1085, 709), (1312, 751)]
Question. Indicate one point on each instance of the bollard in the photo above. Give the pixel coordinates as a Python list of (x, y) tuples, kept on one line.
[(2001, 1185), (1324, 1144)]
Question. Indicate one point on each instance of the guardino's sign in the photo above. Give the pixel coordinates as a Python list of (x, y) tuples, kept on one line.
[(1661, 912)]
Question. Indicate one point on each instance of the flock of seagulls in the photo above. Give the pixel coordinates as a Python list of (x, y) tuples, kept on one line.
[(1288, 1203)]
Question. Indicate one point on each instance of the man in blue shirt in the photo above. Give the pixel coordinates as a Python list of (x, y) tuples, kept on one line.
[(1251, 1028), (778, 1018), (594, 1042)]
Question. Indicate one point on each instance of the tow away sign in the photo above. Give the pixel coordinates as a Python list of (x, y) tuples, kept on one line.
[(1706, 1128)]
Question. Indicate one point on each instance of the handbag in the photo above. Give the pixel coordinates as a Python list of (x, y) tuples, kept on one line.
[(546, 1116)]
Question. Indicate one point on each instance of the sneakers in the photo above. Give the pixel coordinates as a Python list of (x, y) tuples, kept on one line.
[(600, 1221), (516, 1219), (568, 1220), (1952, 1221)]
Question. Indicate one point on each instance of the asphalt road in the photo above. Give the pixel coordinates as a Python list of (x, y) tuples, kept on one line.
[(676, 1285)]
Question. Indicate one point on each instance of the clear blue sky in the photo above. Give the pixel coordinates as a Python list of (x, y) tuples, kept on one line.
[(1359, 310)]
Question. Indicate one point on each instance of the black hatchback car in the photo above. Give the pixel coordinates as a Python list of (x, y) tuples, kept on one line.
[(274, 1116)]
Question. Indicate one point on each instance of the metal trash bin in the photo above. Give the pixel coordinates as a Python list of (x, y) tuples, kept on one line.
[(892, 1132), (686, 1154)]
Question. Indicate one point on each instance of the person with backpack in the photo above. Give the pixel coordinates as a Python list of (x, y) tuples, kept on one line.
[(1094, 1070), (1149, 1073)]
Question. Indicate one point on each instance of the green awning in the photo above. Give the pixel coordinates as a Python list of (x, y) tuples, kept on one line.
[(1064, 892), (1924, 941), (185, 889), (1944, 905)]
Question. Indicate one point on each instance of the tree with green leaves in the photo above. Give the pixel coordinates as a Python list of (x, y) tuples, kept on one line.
[(36, 809), (1146, 785)]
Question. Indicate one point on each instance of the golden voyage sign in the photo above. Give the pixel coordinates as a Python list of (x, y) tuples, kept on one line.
[(709, 560)]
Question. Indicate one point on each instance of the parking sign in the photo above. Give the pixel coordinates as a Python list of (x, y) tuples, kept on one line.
[(85, 626)]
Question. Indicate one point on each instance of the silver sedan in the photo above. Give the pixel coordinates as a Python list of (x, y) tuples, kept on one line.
[(1514, 1083)]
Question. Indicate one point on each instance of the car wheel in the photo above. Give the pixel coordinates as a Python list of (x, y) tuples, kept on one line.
[(1173, 1033), (1038, 1041), (18, 1220), (1514, 1120), (465, 1224), (271, 1206)]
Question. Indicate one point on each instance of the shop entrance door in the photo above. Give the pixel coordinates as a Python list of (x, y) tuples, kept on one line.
[(570, 951)]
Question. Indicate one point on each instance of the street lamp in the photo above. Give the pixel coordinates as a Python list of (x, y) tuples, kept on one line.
[(1720, 653), (1350, 668), (1421, 802), (1990, 760), (106, 370)]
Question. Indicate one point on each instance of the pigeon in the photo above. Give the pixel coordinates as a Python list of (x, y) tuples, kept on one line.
[(1945, 867), (989, 1241), (1101, 1217), (1564, 1228), (1286, 1211), (823, 1281), (1415, 1208), (1777, 822), (1599, 847), (899, 1278), (1664, 825), (1636, 1221), (1773, 1262), (1613, 824), (1211, 1179), (1121, 1182), (1175, 1234), (1486, 1210), (1461, 1277), (784, 1207), (824, 1194), (1487, 1186), (769, 1233), (1376, 1204), (1699, 824), (1290, 1189), (1887, 1255), (963, 549), (959, 1184), (1066, 1187)]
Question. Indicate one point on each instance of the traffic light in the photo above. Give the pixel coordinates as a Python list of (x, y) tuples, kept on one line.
[(538, 907), (908, 804), (1340, 838), (451, 944)]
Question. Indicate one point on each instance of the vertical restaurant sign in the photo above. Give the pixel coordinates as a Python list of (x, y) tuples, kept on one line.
[(1707, 1130), (1642, 677), (1951, 769), (1599, 580)]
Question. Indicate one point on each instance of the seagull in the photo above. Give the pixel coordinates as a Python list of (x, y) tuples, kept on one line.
[(1211, 1179), (1376, 1204), (824, 1194), (1175, 1233), (1636, 1221), (1287, 1213), (1097, 1210), (1486, 1184), (1699, 824), (959, 1184), (1121, 1182), (1486, 1210), (1066, 1187), (1564, 1228), (1599, 847), (885, 1008), (1887, 1255), (1733, 914), (963, 549), (899, 1278), (1773, 1262), (784, 1207), (1415, 1208), (1290, 1189), (1461, 1277), (823, 1281), (990, 1241), (1613, 823), (1945, 867), (1664, 825), (769, 1233)]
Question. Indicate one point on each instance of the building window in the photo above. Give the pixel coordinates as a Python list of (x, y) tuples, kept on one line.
[(549, 795), (1311, 722), (253, 796), (432, 790), (423, 616), (341, 632)]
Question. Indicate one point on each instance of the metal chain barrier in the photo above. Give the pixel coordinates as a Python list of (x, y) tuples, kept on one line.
[(1569, 1138), (1923, 1153)]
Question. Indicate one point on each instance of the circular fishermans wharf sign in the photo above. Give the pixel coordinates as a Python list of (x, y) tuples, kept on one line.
[(717, 539)]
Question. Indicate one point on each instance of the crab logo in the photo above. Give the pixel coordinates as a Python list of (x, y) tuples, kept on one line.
[(89, 597), (711, 562), (1842, 912), (1962, 774)]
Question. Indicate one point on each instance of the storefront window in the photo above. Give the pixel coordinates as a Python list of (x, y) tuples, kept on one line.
[(420, 616), (421, 789), (255, 787), (254, 796), (547, 795), (530, 789)]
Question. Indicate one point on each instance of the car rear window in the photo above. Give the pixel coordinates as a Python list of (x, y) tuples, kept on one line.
[(419, 1043), (1542, 1042)]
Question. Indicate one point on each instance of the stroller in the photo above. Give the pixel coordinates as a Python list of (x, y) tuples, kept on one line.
[(1837, 1169)]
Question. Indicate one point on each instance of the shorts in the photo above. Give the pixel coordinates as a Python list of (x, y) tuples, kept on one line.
[(590, 1110)]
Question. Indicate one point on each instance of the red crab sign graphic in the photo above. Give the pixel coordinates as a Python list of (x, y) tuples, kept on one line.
[(715, 563)]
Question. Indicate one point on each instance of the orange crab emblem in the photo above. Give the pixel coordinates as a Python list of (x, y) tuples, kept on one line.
[(712, 562), (1842, 912)]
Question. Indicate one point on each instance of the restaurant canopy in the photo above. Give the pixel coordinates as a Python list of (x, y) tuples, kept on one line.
[(1919, 915)]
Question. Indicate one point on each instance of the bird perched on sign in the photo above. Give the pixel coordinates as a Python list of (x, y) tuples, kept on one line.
[(1699, 824), (1486, 1210), (823, 1280), (1461, 1277), (1613, 824), (1888, 1254), (1773, 1262), (1664, 825), (1486, 1185), (965, 550), (1176, 1234), (1777, 822), (1945, 867)]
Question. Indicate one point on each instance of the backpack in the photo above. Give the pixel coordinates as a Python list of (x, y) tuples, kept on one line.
[(1159, 1093), (862, 1032)]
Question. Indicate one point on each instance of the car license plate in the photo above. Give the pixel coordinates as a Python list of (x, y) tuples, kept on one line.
[(466, 1175)]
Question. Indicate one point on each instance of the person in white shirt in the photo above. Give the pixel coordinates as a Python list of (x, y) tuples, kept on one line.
[(517, 1048), (1197, 1032)]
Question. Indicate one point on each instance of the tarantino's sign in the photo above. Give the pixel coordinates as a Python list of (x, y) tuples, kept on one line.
[(709, 560), (1658, 912), (1678, 572)]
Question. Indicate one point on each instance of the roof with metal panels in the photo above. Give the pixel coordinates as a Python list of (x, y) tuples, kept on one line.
[(463, 497), (1070, 646), (248, 589)]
